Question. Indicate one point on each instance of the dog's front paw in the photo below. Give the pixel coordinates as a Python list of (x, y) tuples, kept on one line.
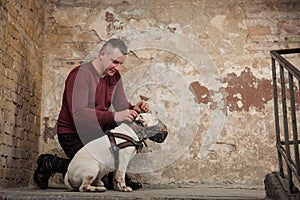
[(89, 188), (127, 189), (118, 187)]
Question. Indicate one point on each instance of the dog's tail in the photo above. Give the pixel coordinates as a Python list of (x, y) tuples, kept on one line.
[(67, 183)]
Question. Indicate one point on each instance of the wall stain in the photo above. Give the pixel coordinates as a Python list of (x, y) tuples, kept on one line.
[(201, 93), (246, 91), (112, 22), (241, 92), (49, 132)]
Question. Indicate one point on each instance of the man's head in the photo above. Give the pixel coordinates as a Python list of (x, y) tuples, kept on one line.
[(114, 43), (113, 55)]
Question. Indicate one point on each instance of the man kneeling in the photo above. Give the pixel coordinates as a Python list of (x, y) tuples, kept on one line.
[(90, 90)]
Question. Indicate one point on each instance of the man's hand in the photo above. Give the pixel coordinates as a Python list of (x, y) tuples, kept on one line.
[(125, 115), (142, 107)]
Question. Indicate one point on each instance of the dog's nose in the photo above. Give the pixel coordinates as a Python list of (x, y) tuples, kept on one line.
[(165, 134)]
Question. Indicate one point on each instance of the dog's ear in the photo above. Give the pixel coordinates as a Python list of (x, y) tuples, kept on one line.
[(141, 119)]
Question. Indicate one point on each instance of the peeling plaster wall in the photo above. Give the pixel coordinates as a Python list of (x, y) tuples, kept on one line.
[(203, 66)]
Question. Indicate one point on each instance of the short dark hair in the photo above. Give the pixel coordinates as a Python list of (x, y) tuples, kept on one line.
[(115, 43)]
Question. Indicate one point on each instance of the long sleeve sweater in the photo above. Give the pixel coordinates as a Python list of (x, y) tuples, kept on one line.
[(87, 98)]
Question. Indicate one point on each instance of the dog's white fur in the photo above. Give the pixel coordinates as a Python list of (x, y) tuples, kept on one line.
[(96, 159)]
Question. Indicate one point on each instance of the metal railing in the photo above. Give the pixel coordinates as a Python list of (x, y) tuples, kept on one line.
[(286, 83)]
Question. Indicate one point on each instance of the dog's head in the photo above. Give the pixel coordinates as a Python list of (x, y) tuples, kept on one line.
[(154, 128)]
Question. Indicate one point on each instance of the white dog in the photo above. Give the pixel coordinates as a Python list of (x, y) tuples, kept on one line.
[(112, 152)]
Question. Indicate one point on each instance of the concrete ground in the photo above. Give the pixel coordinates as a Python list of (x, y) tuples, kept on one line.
[(197, 191)]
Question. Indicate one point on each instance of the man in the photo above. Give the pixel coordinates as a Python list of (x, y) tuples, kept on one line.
[(90, 90)]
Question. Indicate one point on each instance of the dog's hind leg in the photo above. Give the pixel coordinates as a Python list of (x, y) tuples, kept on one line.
[(86, 185), (97, 182)]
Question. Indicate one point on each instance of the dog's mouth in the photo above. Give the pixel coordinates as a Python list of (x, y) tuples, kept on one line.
[(159, 137)]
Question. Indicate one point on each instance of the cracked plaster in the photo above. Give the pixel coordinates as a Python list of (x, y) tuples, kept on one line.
[(211, 54)]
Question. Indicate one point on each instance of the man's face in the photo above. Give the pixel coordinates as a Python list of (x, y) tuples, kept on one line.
[(114, 62)]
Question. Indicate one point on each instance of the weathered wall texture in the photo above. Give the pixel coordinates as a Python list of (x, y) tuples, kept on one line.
[(203, 65), (21, 25)]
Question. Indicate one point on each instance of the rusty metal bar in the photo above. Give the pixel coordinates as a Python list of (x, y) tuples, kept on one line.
[(294, 122), (287, 65), (290, 142), (283, 146), (285, 126), (289, 162), (287, 51), (277, 127)]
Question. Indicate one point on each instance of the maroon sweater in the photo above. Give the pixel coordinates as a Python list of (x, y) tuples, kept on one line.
[(87, 98)]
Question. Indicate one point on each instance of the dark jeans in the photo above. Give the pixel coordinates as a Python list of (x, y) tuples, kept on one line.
[(72, 142)]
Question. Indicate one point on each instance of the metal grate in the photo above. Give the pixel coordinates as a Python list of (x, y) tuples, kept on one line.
[(286, 83)]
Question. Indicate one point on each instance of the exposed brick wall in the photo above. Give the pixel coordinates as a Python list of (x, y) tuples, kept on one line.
[(21, 37)]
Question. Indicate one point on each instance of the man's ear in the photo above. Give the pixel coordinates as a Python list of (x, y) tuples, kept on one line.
[(102, 54)]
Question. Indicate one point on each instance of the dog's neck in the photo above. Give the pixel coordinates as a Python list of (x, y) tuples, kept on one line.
[(136, 127), (139, 129)]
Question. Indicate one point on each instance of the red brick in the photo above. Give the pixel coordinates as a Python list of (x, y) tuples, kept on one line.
[(259, 30)]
